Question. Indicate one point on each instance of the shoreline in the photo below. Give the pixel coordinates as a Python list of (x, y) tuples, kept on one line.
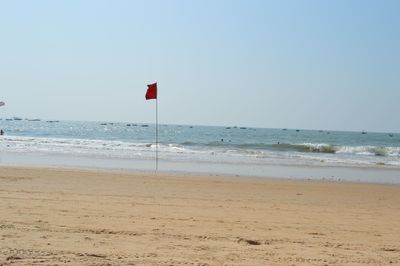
[(182, 174), (87, 217), (361, 174)]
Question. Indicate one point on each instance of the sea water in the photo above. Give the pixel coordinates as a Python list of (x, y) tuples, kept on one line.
[(251, 151)]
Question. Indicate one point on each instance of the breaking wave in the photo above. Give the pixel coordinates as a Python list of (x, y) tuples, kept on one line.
[(305, 148), (116, 148)]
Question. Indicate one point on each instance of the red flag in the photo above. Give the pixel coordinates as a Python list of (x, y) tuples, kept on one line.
[(151, 91)]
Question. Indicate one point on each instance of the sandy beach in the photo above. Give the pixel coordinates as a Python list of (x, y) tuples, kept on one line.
[(82, 217)]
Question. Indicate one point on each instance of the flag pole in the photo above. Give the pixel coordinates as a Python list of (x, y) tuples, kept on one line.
[(157, 134), (151, 94)]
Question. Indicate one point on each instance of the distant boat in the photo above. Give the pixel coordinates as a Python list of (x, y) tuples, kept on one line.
[(284, 129), (297, 130), (34, 120), (17, 118), (227, 128), (103, 124), (242, 128), (145, 125), (8, 119), (52, 121), (363, 132), (128, 125), (391, 135)]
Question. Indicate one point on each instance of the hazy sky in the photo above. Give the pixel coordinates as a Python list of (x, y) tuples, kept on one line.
[(295, 64)]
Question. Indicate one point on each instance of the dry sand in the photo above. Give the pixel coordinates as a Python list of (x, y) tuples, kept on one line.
[(77, 217)]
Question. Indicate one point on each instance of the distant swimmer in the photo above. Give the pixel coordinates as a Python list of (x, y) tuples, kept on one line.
[(1, 132)]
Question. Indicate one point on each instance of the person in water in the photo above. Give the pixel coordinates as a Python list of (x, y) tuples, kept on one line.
[(1, 132)]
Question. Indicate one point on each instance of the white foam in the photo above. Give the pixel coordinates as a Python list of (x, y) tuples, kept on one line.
[(344, 155)]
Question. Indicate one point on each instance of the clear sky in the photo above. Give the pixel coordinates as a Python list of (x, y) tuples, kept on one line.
[(293, 64)]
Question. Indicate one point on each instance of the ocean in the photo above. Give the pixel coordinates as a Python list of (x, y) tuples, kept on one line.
[(211, 149)]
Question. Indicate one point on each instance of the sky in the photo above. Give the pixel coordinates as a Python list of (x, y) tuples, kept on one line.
[(276, 64)]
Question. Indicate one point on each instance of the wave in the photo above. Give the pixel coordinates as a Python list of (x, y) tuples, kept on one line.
[(338, 149), (304, 148), (113, 148), (370, 150), (117, 147), (307, 147)]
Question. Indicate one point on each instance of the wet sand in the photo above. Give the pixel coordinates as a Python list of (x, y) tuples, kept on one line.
[(82, 217)]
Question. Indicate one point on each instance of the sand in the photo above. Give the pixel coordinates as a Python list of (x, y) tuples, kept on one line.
[(82, 217)]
